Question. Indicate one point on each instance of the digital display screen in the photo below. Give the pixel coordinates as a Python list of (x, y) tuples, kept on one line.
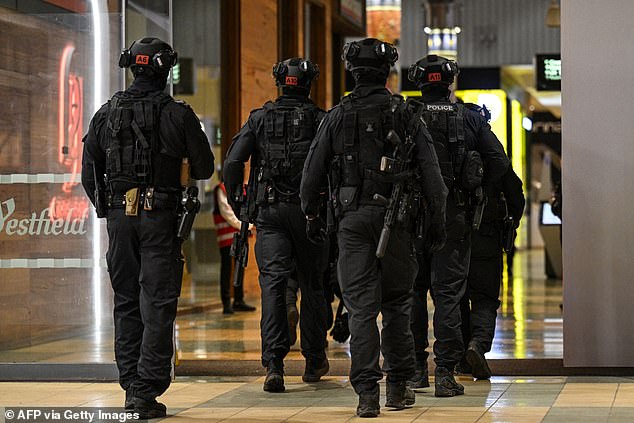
[(548, 72), (546, 216)]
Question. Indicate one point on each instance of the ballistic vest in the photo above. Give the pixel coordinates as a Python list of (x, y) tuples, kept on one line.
[(445, 122), (362, 144), (289, 130), (132, 142)]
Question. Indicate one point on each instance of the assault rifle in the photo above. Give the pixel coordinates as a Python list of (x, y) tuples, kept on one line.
[(245, 197), (399, 202)]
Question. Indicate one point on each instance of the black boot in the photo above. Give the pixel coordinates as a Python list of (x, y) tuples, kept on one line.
[(315, 370), (149, 409), (274, 381), (445, 384), (420, 379), (369, 403), (129, 400), (463, 368), (242, 306), (399, 396), (479, 366), (226, 307)]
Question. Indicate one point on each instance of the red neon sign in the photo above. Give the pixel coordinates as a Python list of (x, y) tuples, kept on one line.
[(70, 118)]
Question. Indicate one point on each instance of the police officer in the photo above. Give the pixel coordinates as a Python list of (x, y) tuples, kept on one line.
[(351, 144), (277, 137), (465, 145), (479, 306), (131, 172)]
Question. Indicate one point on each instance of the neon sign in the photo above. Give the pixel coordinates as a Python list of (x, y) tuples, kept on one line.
[(70, 126), (70, 117)]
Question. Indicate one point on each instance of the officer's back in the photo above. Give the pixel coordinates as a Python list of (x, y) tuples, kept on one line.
[(370, 148), (469, 155), (131, 168), (276, 138)]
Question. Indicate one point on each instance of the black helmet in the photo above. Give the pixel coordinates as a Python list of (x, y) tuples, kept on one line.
[(369, 54), (433, 69), (148, 53), (295, 73)]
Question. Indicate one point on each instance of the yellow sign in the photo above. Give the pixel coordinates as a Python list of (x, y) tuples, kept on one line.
[(495, 101)]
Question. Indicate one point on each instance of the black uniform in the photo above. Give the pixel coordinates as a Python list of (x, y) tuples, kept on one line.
[(144, 255), (351, 141), (277, 138), (449, 267), (479, 305)]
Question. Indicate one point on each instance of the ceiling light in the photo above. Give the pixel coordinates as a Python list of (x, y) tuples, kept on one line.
[(553, 16)]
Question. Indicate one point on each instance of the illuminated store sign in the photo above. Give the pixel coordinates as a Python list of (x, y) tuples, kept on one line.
[(70, 127), (40, 223), (548, 72)]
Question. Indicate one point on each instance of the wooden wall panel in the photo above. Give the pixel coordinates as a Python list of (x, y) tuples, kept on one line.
[(258, 40)]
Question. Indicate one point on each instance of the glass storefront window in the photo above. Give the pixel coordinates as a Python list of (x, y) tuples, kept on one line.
[(57, 67)]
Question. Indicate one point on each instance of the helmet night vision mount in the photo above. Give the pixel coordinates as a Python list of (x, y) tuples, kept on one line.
[(433, 69), (295, 72), (148, 53), (369, 54)]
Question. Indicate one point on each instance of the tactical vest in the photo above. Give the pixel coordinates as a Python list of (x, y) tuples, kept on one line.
[(288, 132), (362, 145), (445, 122), (132, 139)]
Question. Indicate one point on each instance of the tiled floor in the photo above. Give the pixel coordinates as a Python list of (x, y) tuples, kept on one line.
[(529, 325), (565, 400)]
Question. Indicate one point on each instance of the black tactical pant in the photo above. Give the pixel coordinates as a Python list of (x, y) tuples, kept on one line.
[(481, 301), (281, 245), (450, 267), (146, 268), (371, 286), (419, 315)]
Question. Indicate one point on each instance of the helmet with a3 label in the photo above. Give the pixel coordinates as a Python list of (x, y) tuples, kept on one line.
[(295, 73), (433, 69)]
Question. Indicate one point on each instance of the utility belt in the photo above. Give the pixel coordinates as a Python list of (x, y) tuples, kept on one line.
[(268, 194), (147, 198)]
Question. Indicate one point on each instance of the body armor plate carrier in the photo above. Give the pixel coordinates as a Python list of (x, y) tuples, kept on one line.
[(132, 140), (461, 169), (356, 171), (288, 134)]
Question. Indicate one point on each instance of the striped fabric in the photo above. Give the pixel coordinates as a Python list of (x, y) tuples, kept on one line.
[(224, 231)]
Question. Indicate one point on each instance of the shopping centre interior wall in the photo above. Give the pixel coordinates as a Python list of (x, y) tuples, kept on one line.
[(494, 32), (598, 171)]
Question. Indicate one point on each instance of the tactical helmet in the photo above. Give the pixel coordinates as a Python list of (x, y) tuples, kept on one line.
[(295, 73), (369, 54), (433, 69), (148, 53)]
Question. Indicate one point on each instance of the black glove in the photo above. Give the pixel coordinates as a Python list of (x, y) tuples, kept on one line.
[(316, 230), (438, 234)]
